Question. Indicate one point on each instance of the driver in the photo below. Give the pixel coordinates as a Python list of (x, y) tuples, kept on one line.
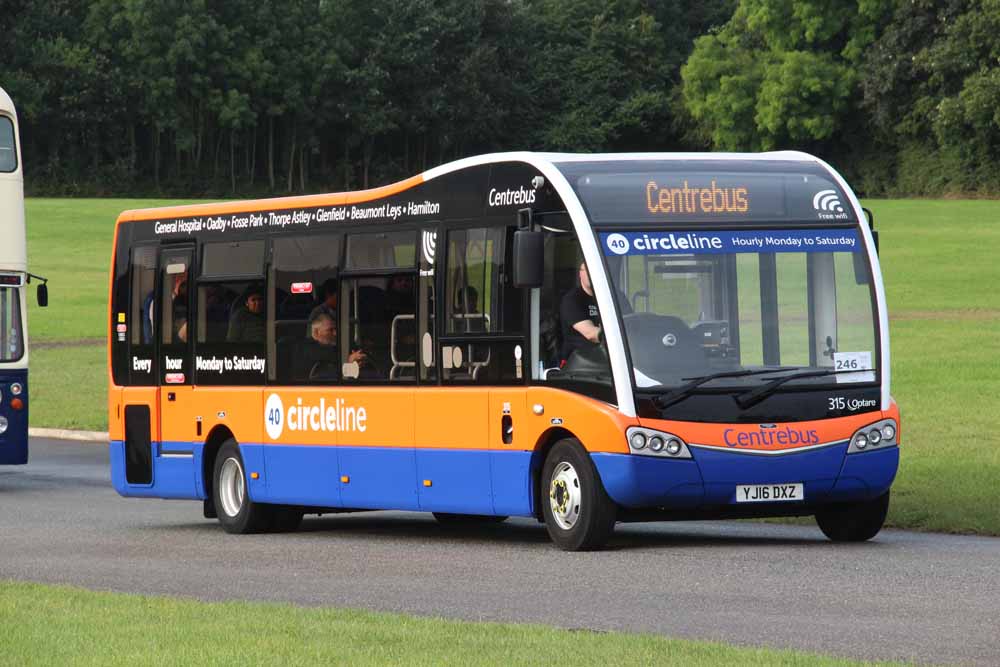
[(579, 317)]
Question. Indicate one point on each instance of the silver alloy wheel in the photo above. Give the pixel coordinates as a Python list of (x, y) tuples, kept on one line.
[(564, 495), (231, 487)]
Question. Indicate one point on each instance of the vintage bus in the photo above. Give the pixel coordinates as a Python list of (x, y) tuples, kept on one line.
[(583, 339), (13, 278)]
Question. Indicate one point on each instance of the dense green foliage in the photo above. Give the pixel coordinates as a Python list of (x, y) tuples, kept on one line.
[(203, 98), (200, 97)]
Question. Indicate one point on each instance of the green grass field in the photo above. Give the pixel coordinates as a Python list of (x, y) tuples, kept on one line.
[(46, 625), (940, 275)]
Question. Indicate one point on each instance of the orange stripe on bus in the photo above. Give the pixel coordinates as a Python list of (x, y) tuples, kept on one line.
[(277, 203)]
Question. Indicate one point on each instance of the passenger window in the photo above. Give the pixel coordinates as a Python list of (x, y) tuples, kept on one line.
[(382, 251), (304, 294), (142, 317), (175, 316), (174, 297), (8, 147), (232, 259), (480, 305), (143, 295), (427, 326), (379, 340)]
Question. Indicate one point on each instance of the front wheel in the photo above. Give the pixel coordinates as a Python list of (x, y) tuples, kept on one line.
[(579, 515), (237, 513), (854, 522)]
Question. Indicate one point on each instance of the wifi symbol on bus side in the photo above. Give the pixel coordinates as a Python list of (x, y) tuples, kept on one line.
[(828, 200), (429, 243)]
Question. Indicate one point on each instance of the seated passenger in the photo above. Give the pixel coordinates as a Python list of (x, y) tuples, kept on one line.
[(323, 333), (329, 303), (247, 323)]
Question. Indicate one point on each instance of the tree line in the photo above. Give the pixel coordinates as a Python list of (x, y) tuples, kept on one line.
[(252, 98)]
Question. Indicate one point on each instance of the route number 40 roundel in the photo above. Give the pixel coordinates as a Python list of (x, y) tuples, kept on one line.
[(274, 413)]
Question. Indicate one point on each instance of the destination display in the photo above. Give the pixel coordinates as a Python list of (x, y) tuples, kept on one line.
[(676, 196)]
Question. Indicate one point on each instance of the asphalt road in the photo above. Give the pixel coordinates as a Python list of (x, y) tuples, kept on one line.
[(929, 598)]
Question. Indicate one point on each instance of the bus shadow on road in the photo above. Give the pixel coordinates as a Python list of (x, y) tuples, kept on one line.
[(417, 527)]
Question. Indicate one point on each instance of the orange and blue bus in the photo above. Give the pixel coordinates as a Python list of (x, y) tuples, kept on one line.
[(582, 339), (14, 277)]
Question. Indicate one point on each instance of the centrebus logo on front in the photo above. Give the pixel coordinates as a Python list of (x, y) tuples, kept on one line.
[(316, 417)]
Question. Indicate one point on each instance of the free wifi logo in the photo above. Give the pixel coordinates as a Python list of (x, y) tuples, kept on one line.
[(827, 201), (429, 244)]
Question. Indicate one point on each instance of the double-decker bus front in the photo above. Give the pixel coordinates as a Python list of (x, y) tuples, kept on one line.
[(13, 275), (751, 320)]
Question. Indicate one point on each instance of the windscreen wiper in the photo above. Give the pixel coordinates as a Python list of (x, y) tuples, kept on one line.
[(757, 395), (685, 390)]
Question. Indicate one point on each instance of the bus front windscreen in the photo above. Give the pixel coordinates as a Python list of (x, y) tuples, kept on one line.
[(11, 340), (742, 309)]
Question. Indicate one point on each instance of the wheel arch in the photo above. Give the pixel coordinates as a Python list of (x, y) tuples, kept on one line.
[(545, 443), (218, 435)]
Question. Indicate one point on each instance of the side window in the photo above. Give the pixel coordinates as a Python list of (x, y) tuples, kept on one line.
[(174, 321), (483, 315), (231, 317), (379, 324), (142, 315), (8, 147), (566, 357), (428, 306), (303, 313)]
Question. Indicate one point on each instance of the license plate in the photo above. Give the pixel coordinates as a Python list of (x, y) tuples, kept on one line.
[(769, 493)]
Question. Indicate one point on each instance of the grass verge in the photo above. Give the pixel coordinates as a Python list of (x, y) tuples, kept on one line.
[(43, 625)]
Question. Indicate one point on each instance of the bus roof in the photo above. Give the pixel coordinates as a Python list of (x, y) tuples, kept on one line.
[(354, 197)]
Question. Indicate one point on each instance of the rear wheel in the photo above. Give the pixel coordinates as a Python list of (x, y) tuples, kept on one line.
[(237, 513), (579, 515), (854, 522)]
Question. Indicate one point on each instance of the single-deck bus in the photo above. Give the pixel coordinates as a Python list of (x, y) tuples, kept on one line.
[(583, 339), (13, 278)]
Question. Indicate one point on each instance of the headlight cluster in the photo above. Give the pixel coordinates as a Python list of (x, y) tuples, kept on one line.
[(3, 425), (648, 442), (874, 436)]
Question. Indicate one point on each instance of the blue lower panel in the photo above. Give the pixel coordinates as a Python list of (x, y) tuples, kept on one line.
[(14, 441), (297, 475), (512, 492), (460, 481), (867, 475), (173, 476), (645, 481), (379, 478)]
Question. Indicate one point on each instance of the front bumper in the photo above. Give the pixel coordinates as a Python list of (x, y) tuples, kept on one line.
[(709, 479)]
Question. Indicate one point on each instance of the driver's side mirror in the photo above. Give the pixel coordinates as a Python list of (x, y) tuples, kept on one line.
[(43, 295), (529, 258)]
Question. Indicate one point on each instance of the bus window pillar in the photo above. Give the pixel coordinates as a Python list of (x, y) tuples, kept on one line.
[(822, 308)]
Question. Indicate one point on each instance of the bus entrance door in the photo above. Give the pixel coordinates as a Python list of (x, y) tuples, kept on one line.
[(510, 451)]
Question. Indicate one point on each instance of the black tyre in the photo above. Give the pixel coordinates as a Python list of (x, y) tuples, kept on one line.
[(237, 513), (854, 522), (578, 513), (285, 519), (448, 519)]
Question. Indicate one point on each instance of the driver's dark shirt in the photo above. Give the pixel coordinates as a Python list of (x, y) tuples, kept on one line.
[(576, 306)]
